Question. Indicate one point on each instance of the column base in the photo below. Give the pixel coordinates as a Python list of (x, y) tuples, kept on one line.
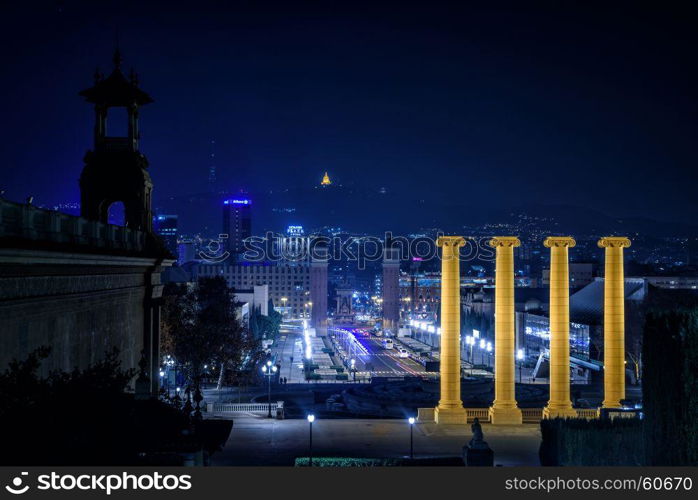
[(450, 415), (505, 416), (425, 415), (559, 412), (611, 404)]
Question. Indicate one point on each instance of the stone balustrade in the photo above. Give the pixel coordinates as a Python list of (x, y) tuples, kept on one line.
[(27, 222)]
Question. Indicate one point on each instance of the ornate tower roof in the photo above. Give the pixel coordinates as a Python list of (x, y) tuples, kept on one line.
[(326, 180), (116, 89)]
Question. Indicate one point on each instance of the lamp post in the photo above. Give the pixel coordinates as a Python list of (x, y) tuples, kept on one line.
[(411, 421), (482, 351), (489, 353), (162, 376), (519, 358), (283, 304), (470, 341), (269, 370), (311, 419), (353, 368)]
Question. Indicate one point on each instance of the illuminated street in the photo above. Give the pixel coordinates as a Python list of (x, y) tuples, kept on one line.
[(382, 362)]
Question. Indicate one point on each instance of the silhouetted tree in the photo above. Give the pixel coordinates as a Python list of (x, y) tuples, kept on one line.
[(200, 327)]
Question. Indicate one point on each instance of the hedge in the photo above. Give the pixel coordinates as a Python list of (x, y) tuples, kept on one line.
[(670, 386), (575, 442), (379, 462)]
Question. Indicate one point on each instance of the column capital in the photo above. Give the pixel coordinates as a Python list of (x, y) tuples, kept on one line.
[(614, 242), (559, 241), (505, 241), (450, 241)]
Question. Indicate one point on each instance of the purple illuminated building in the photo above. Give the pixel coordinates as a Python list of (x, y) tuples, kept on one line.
[(237, 224)]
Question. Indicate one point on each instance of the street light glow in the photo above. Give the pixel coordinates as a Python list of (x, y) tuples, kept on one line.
[(411, 420), (311, 418)]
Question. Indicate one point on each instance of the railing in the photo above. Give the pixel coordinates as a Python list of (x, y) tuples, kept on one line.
[(587, 413), (532, 415), (28, 222), (243, 407), (482, 414)]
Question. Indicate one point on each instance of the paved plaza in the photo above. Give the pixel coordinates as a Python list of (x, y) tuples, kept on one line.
[(256, 440)]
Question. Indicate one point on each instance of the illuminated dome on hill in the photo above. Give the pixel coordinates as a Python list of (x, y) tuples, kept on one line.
[(326, 180)]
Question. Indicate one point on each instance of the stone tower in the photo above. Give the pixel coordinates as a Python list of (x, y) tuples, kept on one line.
[(115, 170), (391, 289)]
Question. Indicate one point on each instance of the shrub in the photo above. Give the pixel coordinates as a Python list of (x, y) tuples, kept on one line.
[(575, 442)]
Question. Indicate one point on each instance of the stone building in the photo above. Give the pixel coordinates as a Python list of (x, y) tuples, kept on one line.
[(78, 284)]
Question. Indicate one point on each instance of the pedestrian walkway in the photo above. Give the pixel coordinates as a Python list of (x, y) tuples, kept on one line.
[(289, 354), (279, 442)]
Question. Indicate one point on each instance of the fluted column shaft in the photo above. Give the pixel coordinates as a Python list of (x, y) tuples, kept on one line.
[(559, 404), (504, 409), (614, 321), (450, 322)]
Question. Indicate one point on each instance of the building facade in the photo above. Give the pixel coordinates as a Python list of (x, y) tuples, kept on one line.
[(288, 285), (237, 224)]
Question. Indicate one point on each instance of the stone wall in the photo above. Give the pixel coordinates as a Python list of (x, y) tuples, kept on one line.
[(80, 305)]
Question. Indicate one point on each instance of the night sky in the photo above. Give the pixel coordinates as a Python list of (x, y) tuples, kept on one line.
[(561, 103)]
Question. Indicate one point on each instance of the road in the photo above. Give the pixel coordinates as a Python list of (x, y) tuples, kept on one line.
[(380, 362), (289, 352)]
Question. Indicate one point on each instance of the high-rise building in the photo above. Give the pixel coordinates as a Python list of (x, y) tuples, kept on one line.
[(186, 251), (165, 226), (237, 223)]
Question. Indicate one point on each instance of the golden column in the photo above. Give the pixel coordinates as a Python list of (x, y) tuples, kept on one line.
[(614, 321), (450, 409), (504, 409), (559, 404)]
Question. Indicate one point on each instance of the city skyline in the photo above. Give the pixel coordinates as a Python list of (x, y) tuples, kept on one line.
[(471, 100)]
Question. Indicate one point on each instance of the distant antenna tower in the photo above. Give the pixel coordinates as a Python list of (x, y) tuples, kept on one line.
[(212, 167)]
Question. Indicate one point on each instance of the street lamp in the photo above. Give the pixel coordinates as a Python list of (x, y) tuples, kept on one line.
[(269, 370), (470, 341), (283, 304), (519, 358), (311, 419), (353, 368), (411, 421)]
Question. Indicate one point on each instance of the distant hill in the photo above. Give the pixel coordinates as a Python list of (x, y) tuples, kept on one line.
[(360, 210)]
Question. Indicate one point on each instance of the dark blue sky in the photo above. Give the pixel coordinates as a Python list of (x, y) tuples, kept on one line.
[(584, 103)]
